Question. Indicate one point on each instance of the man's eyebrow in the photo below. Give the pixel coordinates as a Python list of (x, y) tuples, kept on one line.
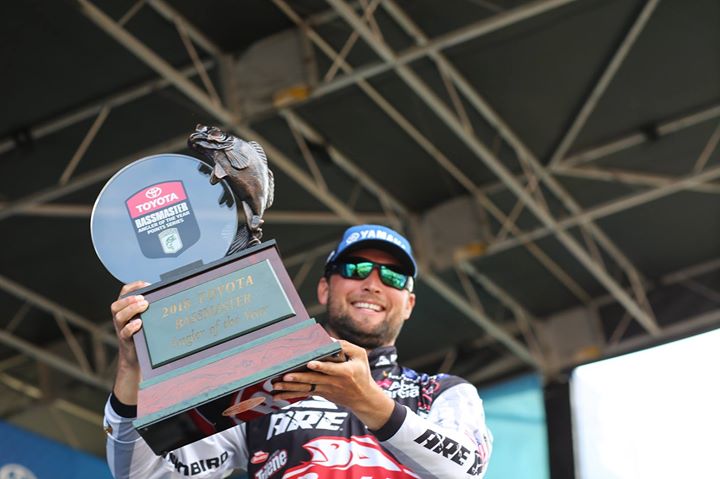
[(398, 266), (355, 259)]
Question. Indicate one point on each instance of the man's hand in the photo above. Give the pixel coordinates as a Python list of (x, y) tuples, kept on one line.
[(348, 384), (125, 313)]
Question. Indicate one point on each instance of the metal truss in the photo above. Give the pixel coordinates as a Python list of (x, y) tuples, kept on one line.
[(605, 79), (428, 277), (311, 184), (685, 277), (80, 368), (443, 161), (314, 184), (639, 307)]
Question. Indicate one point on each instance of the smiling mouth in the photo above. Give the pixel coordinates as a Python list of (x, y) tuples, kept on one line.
[(371, 306)]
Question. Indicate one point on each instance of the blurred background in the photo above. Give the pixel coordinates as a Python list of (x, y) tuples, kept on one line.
[(555, 164)]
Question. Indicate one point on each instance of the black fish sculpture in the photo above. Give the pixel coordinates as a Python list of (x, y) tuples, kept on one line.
[(244, 165)]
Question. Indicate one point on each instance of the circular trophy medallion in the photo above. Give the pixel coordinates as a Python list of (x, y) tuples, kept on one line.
[(160, 216)]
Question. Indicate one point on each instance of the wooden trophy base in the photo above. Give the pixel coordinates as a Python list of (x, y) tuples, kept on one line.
[(212, 343)]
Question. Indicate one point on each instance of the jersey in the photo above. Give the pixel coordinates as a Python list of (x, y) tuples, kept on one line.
[(437, 429)]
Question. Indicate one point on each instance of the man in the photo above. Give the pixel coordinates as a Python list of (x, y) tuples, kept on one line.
[(367, 417)]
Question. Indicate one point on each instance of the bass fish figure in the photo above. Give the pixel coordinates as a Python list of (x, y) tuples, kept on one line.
[(245, 167)]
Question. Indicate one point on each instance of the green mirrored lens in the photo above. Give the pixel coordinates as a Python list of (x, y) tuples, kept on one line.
[(356, 270), (363, 270), (392, 278)]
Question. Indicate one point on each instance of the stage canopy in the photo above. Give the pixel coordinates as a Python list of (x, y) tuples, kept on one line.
[(554, 162)]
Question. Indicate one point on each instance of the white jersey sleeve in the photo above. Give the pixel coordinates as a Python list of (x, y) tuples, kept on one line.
[(451, 442), (130, 457)]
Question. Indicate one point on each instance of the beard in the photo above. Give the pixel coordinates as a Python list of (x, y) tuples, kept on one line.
[(344, 327)]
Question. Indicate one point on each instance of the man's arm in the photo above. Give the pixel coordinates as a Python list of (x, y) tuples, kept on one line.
[(127, 322), (452, 442), (128, 455)]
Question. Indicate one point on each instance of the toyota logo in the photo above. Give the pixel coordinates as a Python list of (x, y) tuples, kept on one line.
[(153, 192)]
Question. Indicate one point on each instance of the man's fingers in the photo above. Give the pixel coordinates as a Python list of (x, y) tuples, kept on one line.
[(295, 387), (329, 368), (351, 350), (130, 287), (130, 328), (123, 303), (301, 378), (124, 310)]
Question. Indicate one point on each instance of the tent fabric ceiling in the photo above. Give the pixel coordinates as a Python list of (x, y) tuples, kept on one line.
[(603, 115)]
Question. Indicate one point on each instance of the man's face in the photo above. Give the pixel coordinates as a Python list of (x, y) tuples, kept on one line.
[(365, 312)]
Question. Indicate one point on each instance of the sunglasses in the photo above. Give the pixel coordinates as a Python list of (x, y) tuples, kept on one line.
[(361, 269)]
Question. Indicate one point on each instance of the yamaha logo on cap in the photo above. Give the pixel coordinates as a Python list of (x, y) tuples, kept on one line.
[(352, 238)]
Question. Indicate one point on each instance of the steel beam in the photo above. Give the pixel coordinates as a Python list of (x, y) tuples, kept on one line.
[(64, 405), (633, 178), (611, 208), (69, 210), (113, 101), (87, 179), (428, 276), (452, 297), (526, 321), (442, 42), (173, 16), (635, 139), (603, 150), (84, 145), (53, 308), (54, 361), (708, 150), (603, 82)]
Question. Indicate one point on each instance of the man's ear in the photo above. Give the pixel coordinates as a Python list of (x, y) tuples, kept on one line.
[(409, 305), (323, 290)]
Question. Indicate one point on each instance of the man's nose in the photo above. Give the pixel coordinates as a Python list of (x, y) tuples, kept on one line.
[(372, 282)]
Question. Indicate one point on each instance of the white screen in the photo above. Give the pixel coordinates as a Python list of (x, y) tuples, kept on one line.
[(651, 414)]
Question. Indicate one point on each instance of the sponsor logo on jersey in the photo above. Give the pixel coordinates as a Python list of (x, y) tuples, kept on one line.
[(259, 457), (477, 466), (383, 360), (353, 458), (198, 466), (299, 419), (399, 387), (451, 449), (277, 461), (314, 402)]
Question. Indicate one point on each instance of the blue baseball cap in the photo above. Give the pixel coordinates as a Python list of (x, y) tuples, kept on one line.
[(378, 237)]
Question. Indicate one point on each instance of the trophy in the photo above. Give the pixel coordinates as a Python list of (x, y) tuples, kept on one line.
[(224, 320)]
